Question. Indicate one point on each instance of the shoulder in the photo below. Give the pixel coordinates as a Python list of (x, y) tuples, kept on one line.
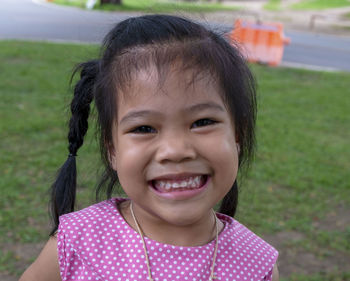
[(246, 239), (95, 220), (82, 234), (92, 217), (96, 212), (248, 249)]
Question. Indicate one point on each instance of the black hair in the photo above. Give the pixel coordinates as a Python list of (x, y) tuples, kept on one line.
[(137, 43)]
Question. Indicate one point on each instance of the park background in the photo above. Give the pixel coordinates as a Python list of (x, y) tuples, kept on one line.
[(296, 194)]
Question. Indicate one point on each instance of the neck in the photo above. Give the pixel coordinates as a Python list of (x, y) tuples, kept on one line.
[(197, 233)]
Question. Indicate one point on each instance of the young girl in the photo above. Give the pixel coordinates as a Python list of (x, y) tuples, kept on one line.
[(176, 114)]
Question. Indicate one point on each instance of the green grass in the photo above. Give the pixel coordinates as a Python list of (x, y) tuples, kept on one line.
[(299, 177), (320, 277), (155, 6), (273, 5), (302, 133), (33, 83), (320, 4)]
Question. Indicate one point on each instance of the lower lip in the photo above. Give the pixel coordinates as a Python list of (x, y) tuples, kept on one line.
[(183, 194)]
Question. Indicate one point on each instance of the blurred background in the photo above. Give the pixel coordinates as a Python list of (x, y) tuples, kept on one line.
[(297, 193)]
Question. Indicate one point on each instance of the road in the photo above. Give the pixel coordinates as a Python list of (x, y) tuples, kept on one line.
[(318, 50), (25, 19)]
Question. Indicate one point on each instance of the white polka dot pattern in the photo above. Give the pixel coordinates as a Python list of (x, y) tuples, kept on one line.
[(97, 244)]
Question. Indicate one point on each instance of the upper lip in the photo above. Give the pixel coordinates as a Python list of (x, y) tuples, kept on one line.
[(177, 176)]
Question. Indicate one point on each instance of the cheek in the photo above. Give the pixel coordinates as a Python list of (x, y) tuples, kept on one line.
[(131, 159), (222, 152), (228, 157)]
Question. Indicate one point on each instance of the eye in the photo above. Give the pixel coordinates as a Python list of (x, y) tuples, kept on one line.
[(143, 130), (203, 122)]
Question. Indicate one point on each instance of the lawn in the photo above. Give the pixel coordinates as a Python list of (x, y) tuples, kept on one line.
[(320, 4), (297, 194), (273, 5), (155, 6)]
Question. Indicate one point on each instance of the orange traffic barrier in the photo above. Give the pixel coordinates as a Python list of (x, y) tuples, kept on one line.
[(263, 43)]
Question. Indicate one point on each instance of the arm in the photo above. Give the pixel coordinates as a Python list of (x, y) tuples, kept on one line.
[(45, 267), (275, 273)]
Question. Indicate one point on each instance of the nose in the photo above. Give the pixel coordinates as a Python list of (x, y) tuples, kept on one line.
[(175, 148)]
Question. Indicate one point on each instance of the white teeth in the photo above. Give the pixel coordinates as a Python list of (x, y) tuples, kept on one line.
[(191, 182), (196, 180)]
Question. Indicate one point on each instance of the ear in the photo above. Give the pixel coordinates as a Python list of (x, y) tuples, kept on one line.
[(112, 156), (238, 148), (113, 161)]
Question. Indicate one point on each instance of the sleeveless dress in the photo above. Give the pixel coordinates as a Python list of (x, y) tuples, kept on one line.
[(96, 243)]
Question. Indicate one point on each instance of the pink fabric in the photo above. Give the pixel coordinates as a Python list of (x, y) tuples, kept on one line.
[(97, 244)]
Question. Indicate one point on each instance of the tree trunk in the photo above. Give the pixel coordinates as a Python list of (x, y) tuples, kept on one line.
[(116, 2)]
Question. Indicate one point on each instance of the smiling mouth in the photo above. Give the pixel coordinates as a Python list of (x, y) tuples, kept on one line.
[(188, 183)]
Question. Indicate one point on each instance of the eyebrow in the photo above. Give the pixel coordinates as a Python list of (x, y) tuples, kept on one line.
[(204, 106), (193, 108)]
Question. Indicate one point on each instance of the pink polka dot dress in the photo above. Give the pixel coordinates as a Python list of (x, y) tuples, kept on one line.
[(97, 244)]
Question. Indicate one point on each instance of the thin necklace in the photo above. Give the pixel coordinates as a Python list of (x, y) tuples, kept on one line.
[(212, 273)]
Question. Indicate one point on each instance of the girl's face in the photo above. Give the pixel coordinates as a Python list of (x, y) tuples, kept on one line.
[(174, 147)]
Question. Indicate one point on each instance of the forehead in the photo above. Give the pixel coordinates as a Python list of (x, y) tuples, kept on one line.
[(174, 84)]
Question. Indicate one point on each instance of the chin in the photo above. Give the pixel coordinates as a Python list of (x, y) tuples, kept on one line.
[(183, 217)]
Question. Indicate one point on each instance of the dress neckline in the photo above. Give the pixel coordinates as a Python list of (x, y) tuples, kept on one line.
[(226, 220)]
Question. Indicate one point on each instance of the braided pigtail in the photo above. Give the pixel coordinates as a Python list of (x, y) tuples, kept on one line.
[(63, 189)]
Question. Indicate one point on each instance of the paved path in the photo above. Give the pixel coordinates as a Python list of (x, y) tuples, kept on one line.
[(317, 51), (25, 19)]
